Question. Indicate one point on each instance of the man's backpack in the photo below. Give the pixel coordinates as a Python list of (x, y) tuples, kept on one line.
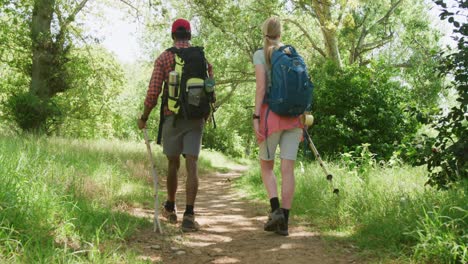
[(290, 93), (192, 98), (190, 91)]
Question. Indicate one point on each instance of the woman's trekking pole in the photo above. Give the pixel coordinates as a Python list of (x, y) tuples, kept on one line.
[(317, 156), (156, 224), (213, 109)]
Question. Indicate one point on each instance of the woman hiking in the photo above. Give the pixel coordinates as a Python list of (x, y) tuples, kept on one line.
[(272, 130)]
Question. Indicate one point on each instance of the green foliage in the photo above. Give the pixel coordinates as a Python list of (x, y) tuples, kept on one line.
[(233, 135), (31, 113), (448, 161), (59, 200), (360, 161), (88, 106), (359, 105), (442, 235)]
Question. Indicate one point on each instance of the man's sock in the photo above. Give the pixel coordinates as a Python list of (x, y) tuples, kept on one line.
[(170, 206), (189, 210), (274, 203), (286, 214)]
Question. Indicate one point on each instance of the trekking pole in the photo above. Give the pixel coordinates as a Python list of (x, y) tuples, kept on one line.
[(212, 115), (156, 224), (322, 165)]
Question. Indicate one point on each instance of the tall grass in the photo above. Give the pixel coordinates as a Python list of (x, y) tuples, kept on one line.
[(60, 199), (385, 210)]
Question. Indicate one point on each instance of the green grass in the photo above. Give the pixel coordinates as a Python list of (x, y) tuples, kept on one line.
[(58, 199), (63, 201), (386, 211)]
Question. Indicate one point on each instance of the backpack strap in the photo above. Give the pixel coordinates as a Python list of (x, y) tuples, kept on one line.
[(178, 67), (161, 116), (266, 131), (178, 61)]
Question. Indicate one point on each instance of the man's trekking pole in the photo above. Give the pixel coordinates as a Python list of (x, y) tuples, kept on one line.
[(317, 155), (156, 224)]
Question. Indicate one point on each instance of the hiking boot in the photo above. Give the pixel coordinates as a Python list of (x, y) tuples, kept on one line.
[(189, 224), (171, 216), (274, 219), (282, 229)]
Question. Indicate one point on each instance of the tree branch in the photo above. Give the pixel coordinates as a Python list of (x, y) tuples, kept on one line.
[(340, 16), (389, 12), (133, 7), (72, 16), (376, 44), (306, 34), (403, 65), (235, 81), (228, 96), (64, 23)]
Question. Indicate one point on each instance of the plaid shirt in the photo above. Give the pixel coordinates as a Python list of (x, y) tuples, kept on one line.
[(162, 66)]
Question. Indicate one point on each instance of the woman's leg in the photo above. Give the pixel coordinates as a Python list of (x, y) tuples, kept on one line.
[(289, 145), (288, 183), (267, 152), (267, 162), (268, 177)]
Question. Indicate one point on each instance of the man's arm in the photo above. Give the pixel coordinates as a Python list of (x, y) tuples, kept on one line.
[(154, 90)]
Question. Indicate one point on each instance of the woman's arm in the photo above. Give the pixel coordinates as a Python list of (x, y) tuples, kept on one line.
[(260, 76)]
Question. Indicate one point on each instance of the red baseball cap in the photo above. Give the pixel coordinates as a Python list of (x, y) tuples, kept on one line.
[(181, 23)]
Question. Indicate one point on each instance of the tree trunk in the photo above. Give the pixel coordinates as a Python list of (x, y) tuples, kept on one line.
[(323, 12), (42, 59)]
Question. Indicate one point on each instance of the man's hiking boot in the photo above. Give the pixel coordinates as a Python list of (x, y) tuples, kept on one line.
[(171, 216), (282, 229), (275, 218), (189, 224)]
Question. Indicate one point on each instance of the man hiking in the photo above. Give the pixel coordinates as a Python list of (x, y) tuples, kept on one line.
[(184, 78)]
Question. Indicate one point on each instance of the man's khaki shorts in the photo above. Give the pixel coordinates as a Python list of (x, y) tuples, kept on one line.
[(288, 141), (183, 138)]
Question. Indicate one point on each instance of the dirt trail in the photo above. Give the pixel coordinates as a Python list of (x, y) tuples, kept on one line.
[(231, 232)]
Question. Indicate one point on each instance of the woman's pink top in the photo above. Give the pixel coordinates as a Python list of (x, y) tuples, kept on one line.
[(275, 123)]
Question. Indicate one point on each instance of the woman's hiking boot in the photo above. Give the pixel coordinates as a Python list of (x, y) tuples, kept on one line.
[(282, 229), (275, 218), (189, 224)]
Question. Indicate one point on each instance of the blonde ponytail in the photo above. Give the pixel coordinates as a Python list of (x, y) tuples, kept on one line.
[(271, 32)]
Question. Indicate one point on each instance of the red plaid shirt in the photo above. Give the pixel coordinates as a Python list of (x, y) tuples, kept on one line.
[(162, 66)]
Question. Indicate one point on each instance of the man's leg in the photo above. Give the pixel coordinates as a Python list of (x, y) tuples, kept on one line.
[(191, 162), (171, 183), (191, 149), (172, 148)]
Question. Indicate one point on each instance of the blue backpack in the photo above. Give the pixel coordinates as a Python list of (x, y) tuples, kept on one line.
[(290, 93)]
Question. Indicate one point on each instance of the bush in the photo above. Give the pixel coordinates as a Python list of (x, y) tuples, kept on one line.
[(359, 105), (447, 162), (30, 112)]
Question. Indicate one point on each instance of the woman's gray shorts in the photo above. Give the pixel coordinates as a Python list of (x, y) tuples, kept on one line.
[(183, 138), (288, 141)]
